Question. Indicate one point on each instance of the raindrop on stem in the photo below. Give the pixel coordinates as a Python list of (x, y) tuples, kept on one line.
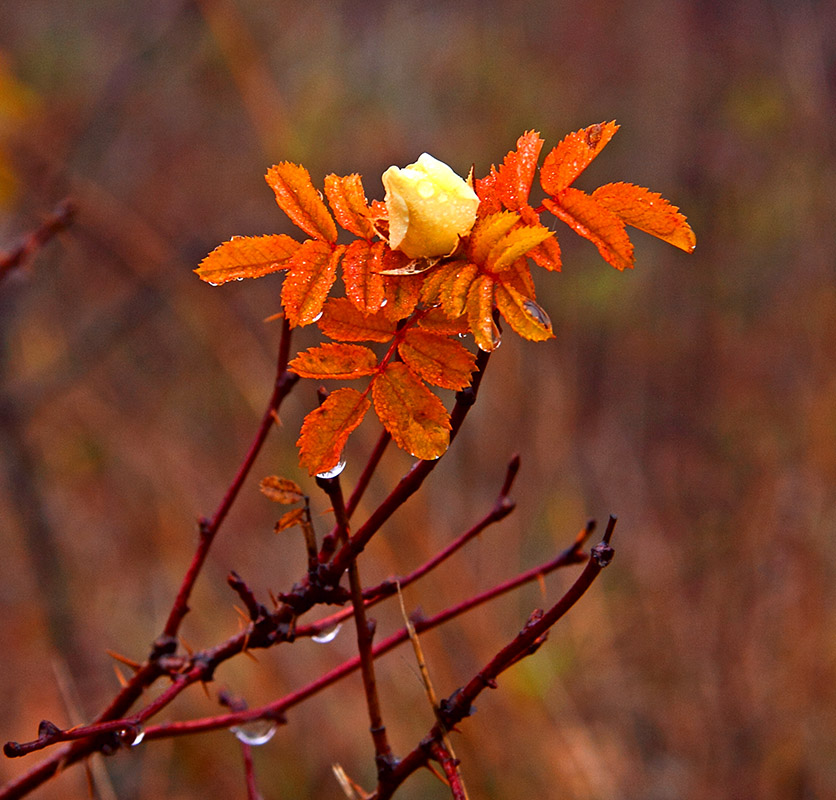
[(255, 733), (327, 636)]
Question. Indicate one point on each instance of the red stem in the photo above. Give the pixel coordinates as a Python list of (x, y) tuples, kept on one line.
[(209, 528)]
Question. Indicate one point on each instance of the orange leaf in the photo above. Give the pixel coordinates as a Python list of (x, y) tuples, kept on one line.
[(341, 320), (515, 244), (546, 254), (281, 490), (437, 359), (330, 360), (436, 321), (363, 284), (587, 217), (648, 211), (313, 270), (289, 519), (247, 257), (488, 190), (402, 295), (516, 174), (454, 290), (488, 231), (414, 416), (348, 201), (573, 155), (480, 313), (433, 281), (525, 316), (297, 197), (327, 428)]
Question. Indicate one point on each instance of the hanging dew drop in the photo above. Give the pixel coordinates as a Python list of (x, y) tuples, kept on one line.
[(255, 733), (138, 739), (327, 636), (333, 472), (537, 313), (496, 336)]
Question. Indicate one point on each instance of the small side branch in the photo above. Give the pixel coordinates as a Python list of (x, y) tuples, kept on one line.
[(60, 219)]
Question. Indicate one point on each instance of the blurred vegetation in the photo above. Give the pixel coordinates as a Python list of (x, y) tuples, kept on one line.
[(694, 397)]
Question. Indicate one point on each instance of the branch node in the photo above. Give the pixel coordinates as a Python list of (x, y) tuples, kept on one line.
[(603, 554), (163, 646)]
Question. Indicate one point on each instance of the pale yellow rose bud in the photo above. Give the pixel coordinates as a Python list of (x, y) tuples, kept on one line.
[(429, 207)]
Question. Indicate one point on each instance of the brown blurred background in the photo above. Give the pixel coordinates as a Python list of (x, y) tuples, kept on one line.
[(695, 396)]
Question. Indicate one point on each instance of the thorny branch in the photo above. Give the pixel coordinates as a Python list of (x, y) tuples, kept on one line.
[(112, 729)]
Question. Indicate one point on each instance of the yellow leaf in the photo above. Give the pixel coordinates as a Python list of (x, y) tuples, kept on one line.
[(515, 244), (453, 292), (488, 231), (247, 257), (327, 428), (414, 416), (523, 314)]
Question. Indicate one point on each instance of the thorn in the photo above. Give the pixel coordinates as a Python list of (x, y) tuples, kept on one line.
[(123, 681), (128, 662)]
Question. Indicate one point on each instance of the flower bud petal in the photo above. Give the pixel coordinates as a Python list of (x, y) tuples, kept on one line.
[(429, 206)]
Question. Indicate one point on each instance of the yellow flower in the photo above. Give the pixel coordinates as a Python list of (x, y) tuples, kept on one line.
[(430, 208)]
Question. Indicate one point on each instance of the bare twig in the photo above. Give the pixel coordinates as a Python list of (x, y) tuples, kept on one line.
[(209, 527), (365, 632), (60, 219), (460, 704)]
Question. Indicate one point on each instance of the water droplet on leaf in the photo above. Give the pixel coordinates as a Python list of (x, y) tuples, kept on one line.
[(317, 318), (496, 336), (327, 636), (537, 313), (259, 731), (333, 472)]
